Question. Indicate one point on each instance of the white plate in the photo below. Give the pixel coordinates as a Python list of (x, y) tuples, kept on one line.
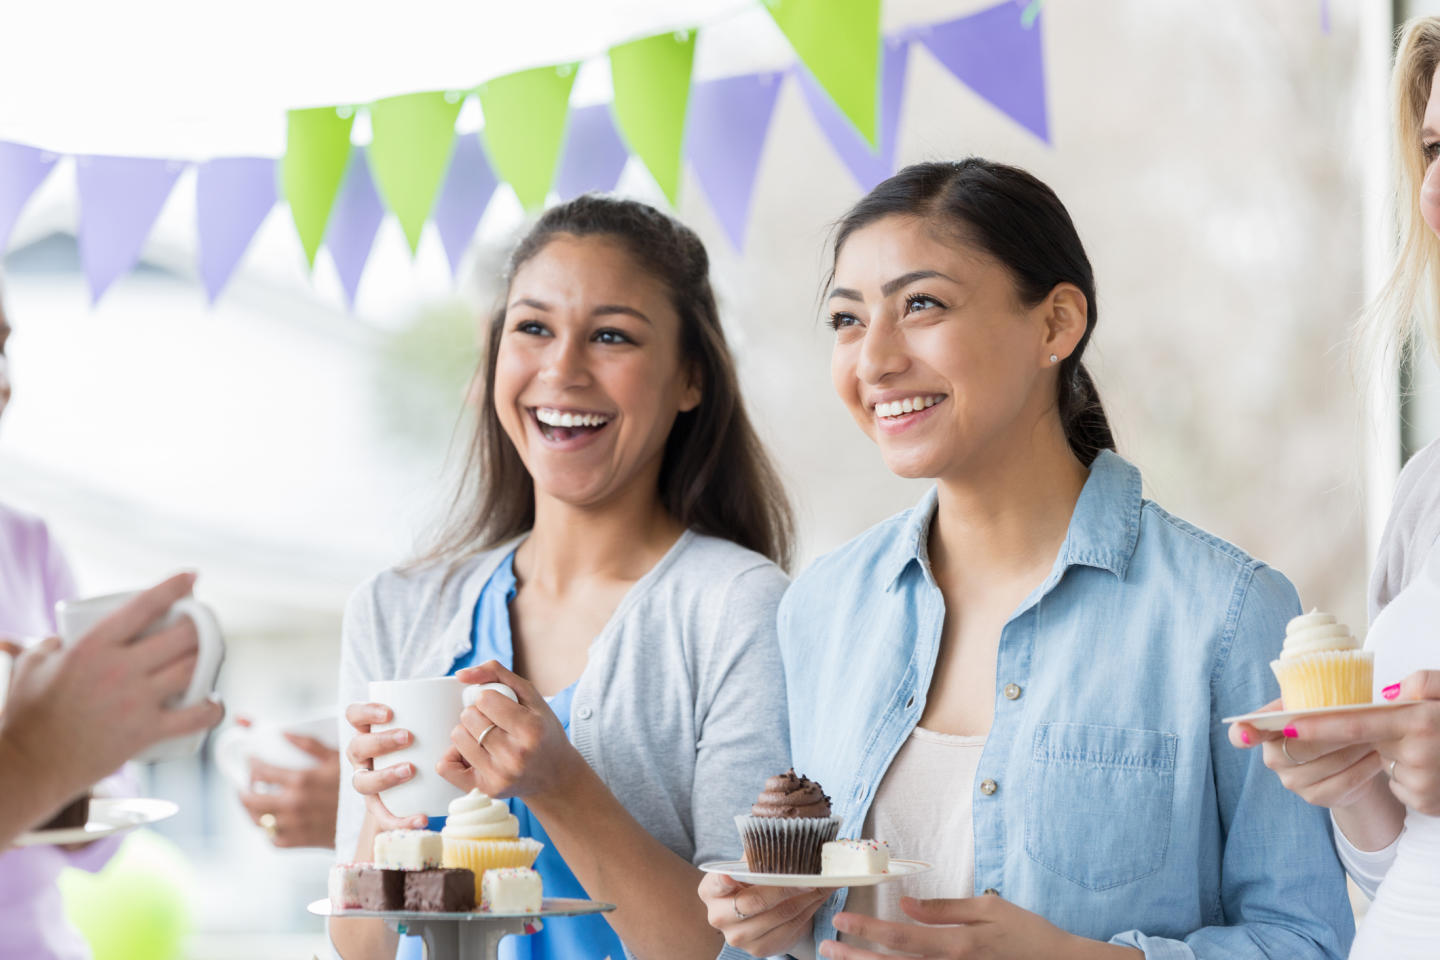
[(1279, 720), (738, 870), (107, 815)]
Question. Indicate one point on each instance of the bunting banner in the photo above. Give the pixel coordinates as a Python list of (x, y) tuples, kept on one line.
[(233, 196), (120, 198), (852, 79)]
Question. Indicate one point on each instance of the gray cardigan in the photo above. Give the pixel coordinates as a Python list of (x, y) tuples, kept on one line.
[(680, 709)]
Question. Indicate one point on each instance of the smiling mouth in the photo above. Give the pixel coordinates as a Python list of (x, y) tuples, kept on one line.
[(897, 409), (561, 425)]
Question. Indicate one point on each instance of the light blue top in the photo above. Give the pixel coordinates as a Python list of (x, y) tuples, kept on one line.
[(1119, 809)]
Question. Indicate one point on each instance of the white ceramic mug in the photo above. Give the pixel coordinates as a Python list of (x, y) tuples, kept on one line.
[(429, 708), (235, 745), (75, 618)]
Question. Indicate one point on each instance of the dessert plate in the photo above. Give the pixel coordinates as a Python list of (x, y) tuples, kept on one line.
[(737, 869), (107, 815), (1279, 720), (549, 907)]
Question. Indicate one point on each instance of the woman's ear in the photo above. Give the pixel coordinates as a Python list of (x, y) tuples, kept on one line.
[(1065, 313), (694, 392)]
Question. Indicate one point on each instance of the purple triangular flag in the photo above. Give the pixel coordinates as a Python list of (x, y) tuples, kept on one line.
[(120, 197), (594, 155), (724, 138), (22, 170), (999, 57), (868, 165), (233, 195), (353, 223), (463, 199)]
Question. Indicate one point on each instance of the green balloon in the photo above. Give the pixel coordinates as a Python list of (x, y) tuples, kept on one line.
[(137, 908)]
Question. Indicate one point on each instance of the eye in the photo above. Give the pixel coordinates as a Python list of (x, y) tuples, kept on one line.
[(916, 302), (611, 336), (839, 320), (1431, 150), (532, 327)]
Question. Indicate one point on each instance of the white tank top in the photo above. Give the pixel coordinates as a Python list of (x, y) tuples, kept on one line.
[(923, 810), (1404, 921)]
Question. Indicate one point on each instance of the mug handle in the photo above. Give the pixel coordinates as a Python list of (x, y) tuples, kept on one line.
[(212, 650)]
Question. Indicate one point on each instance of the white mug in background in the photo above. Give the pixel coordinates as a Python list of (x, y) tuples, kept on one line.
[(429, 708), (266, 742), (75, 618)]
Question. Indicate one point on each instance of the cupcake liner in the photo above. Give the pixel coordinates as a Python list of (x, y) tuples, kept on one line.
[(481, 855), (1330, 678), (785, 845)]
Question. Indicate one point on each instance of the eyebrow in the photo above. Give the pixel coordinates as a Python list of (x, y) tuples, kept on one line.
[(604, 310), (1427, 131), (890, 286)]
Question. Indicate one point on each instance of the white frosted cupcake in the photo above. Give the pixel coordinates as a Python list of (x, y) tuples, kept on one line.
[(482, 834), (1322, 664)]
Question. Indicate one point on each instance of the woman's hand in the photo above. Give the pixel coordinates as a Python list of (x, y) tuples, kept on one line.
[(1334, 774), (508, 749), (362, 750), (759, 920), (304, 807), (969, 929)]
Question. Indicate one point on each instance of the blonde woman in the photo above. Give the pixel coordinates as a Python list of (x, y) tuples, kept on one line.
[(1379, 771)]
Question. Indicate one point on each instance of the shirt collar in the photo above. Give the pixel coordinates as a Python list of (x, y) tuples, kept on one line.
[(1103, 529)]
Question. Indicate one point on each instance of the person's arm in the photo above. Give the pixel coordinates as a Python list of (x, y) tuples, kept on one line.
[(1282, 891)]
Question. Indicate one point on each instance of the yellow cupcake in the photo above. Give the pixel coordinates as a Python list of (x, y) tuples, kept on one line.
[(481, 834), (1322, 665)]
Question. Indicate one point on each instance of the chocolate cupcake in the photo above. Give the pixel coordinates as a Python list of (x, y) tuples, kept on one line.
[(787, 826)]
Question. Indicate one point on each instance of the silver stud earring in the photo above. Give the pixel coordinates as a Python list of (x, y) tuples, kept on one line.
[(1054, 359)]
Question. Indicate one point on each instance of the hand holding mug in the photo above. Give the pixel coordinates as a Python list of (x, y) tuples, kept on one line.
[(759, 920), (296, 806), (508, 748), (368, 780)]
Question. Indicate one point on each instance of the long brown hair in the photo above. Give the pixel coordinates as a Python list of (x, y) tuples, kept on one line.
[(1018, 220), (715, 476)]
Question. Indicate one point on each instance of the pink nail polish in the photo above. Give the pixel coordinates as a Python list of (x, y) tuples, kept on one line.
[(1391, 692), (1291, 732), (1245, 738)]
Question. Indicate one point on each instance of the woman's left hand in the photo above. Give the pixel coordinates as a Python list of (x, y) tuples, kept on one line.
[(967, 929), (1407, 740), (508, 749)]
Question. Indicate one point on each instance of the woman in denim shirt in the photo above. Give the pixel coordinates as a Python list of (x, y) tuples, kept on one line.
[(1021, 678)]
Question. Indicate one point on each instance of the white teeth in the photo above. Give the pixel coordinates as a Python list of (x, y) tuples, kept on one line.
[(896, 408), (558, 418)]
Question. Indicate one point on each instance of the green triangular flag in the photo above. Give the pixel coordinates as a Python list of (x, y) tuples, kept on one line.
[(651, 78), (839, 42), (410, 152), (317, 150), (525, 127)]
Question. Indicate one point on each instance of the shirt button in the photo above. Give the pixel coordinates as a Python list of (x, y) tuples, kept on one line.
[(991, 892), (988, 786), (584, 713), (1012, 691)]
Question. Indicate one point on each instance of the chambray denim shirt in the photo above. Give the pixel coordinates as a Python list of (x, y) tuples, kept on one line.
[(1108, 799)]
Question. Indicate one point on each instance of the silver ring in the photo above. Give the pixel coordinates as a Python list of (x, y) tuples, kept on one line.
[(735, 905), (1285, 749), (483, 734), (1392, 768)]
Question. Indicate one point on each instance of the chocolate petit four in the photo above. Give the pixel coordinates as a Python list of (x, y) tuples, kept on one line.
[(380, 889), (74, 814), (447, 890)]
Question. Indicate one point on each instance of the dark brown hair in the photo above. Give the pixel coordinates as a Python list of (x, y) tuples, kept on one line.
[(1019, 221), (715, 476)]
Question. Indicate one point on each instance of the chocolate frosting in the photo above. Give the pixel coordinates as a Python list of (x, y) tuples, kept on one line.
[(788, 796)]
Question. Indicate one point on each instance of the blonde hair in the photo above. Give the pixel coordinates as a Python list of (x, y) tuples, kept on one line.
[(1390, 326)]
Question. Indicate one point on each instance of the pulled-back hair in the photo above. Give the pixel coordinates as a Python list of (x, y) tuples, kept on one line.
[(1018, 220), (715, 476)]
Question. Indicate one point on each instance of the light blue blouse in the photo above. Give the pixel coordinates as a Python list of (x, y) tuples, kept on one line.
[(1108, 798)]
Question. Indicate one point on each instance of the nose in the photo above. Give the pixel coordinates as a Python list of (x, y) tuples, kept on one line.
[(882, 352), (565, 364)]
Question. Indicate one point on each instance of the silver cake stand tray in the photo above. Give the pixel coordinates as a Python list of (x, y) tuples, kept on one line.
[(467, 936)]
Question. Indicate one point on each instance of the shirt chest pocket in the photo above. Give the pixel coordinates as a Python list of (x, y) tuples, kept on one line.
[(1098, 802)]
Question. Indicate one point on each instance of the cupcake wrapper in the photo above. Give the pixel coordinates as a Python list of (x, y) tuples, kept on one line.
[(481, 855), (1331, 678), (780, 845)]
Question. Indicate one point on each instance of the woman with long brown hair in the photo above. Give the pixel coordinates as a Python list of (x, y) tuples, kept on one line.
[(615, 558)]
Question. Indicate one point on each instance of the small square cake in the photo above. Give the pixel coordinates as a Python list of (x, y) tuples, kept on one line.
[(447, 890), (408, 850), (74, 815), (345, 885), (854, 858), (380, 889), (511, 890)]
